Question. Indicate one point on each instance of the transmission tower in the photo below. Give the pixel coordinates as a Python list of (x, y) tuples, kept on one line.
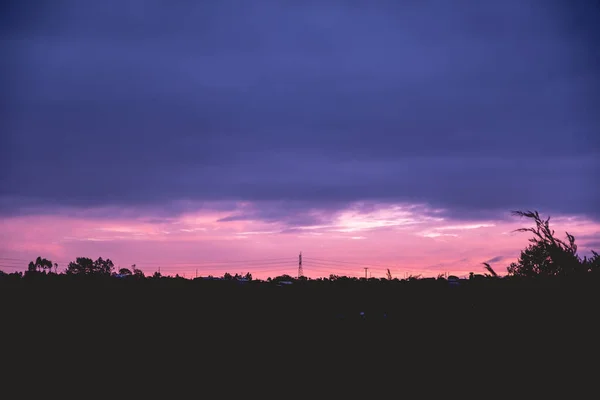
[(300, 270)]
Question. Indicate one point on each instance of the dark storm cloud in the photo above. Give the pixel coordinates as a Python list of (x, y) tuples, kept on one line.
[(477, 107), (495, 259), (290, 213)]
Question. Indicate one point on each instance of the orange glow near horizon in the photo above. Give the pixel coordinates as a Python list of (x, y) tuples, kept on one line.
[(399, 237)]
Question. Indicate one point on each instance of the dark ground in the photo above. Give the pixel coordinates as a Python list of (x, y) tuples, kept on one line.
[(499, 333)]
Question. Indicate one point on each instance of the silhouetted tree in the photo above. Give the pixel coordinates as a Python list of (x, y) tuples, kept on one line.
[(40, 265), (13, 275), (85, 266), (547, 255), (284, 277), (138, 273), (125, 272)]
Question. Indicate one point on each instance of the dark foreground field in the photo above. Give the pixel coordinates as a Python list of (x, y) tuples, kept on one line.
[(495, 331)]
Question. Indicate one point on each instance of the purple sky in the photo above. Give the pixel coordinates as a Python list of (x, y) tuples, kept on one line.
[(289, 114)]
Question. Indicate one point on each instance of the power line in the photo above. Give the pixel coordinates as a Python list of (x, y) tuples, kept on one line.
[(178, 263), (255, 263), (328, 266), (267, 269), (335, 266), (229, 268), (220, 262), (252, 270), (327, 272), (281, 264), (209, 266), (349, 262), (191, 268), (217, 262)]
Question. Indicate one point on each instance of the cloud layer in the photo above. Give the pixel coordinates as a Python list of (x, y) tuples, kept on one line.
[(476, 108)]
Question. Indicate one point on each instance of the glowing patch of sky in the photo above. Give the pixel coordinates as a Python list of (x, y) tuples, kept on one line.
[(406, 239)]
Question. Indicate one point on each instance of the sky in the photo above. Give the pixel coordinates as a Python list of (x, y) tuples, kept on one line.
[(230, 136)]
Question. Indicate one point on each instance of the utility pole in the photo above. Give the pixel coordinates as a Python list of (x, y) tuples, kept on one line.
[(366, 269), (196, 272), (300, 269)]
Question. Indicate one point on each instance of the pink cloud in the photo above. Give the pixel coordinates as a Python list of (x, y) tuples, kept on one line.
[(407, 239)]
